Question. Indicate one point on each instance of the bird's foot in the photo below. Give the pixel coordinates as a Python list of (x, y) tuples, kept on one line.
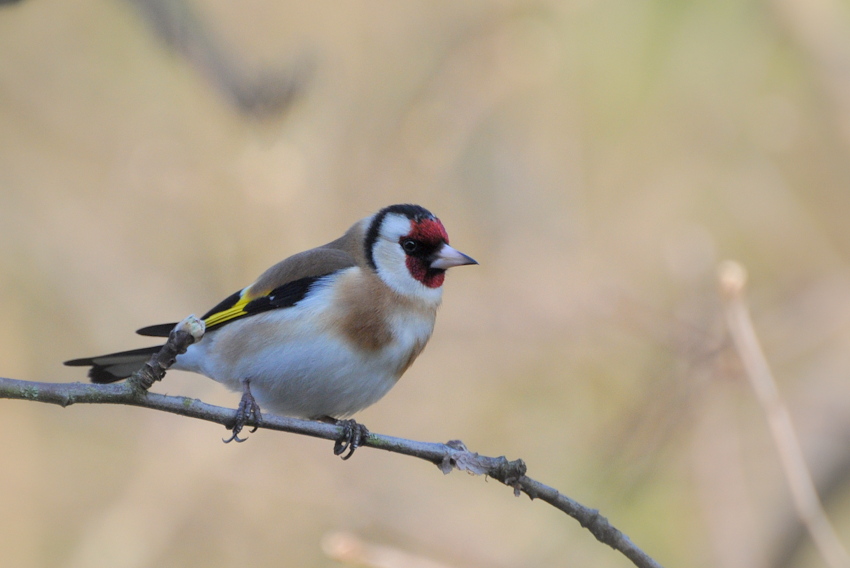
[(248, 410), (353, 436)]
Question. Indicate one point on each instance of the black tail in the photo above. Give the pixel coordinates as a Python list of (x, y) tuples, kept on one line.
[(115, 366)]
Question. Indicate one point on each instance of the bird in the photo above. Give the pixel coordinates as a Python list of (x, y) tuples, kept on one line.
[(325, 332)]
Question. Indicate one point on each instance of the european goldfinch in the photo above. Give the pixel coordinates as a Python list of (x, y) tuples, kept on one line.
[(323, 333)]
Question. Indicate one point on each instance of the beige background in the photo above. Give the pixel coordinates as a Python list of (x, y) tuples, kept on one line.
[(597, 157)]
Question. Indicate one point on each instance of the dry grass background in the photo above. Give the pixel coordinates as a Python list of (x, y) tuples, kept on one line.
[(598, 157)]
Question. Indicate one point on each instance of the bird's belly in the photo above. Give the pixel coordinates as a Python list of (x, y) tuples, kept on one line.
[(298, 370), (310, 380)]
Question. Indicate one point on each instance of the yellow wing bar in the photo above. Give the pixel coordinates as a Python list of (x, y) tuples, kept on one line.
[(234, 311)]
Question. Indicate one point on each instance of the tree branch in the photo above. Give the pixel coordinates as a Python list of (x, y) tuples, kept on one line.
[(448, 456)]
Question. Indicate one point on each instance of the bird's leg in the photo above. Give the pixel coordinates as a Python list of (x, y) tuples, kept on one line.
[(353, 436), (248, 410)]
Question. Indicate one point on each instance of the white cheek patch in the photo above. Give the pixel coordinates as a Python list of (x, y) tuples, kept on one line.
[(391, 263), (389, 257)]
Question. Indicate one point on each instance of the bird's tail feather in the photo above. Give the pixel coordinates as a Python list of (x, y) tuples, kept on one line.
[(115, 366)]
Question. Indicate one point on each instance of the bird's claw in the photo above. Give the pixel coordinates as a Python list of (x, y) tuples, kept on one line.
[(248, 411), (353, 436)]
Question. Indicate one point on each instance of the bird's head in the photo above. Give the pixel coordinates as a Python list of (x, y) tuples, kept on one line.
[(409, 249)]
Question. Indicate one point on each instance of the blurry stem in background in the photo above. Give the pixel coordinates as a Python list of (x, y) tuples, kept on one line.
[(260, 94), (350, 550), (448, 456), (733, 279)]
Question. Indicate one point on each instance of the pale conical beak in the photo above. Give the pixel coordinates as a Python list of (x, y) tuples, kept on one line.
[(449, 257)]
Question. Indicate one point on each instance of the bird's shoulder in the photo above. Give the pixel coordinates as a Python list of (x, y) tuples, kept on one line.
[(313, 263), (284, 284), (344, 252), (281, 286)]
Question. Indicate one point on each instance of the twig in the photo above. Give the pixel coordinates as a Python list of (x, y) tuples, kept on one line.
[(448, 456), (804, 494), (181, 337)]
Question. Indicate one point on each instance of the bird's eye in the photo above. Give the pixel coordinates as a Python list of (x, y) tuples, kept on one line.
[(409, 246)]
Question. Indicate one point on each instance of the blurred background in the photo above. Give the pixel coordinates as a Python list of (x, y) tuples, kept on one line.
[(597, 157)]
